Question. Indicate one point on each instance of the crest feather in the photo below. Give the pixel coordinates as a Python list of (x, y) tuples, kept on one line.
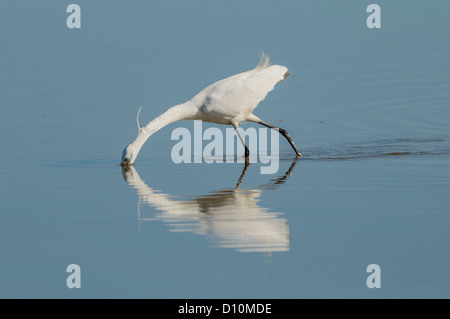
[(264, 62)]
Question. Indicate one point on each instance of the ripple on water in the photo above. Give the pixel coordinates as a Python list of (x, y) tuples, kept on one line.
[(435, 146)]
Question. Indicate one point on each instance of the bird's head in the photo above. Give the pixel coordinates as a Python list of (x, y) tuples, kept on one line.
[(129, 154)]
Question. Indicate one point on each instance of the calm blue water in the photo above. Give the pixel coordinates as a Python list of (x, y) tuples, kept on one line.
[(369, 109)]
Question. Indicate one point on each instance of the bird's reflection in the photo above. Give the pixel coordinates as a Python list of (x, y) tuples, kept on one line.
[(230, 218)]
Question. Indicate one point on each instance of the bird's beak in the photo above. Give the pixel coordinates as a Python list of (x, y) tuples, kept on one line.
[(126, 163)]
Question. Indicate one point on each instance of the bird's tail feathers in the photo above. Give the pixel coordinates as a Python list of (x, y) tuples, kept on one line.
[(264, 62)]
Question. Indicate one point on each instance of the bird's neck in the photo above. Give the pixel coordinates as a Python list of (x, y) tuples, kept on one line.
[(185, 111)]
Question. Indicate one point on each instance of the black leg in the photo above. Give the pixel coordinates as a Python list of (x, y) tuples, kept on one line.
[(247, 151), (285, 134)]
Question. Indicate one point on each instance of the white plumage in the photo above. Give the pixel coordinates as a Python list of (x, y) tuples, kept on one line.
[(238, 95), (229, 101)]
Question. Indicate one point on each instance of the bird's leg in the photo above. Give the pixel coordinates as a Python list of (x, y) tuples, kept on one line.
[(247, 151), (285, 134)]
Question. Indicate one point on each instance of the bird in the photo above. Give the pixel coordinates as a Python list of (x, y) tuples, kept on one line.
[(229, 101)]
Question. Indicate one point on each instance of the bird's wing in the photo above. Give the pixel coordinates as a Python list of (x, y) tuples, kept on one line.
[(241, 93)]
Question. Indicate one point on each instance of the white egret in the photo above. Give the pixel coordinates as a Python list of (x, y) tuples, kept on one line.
[(229, 101)]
